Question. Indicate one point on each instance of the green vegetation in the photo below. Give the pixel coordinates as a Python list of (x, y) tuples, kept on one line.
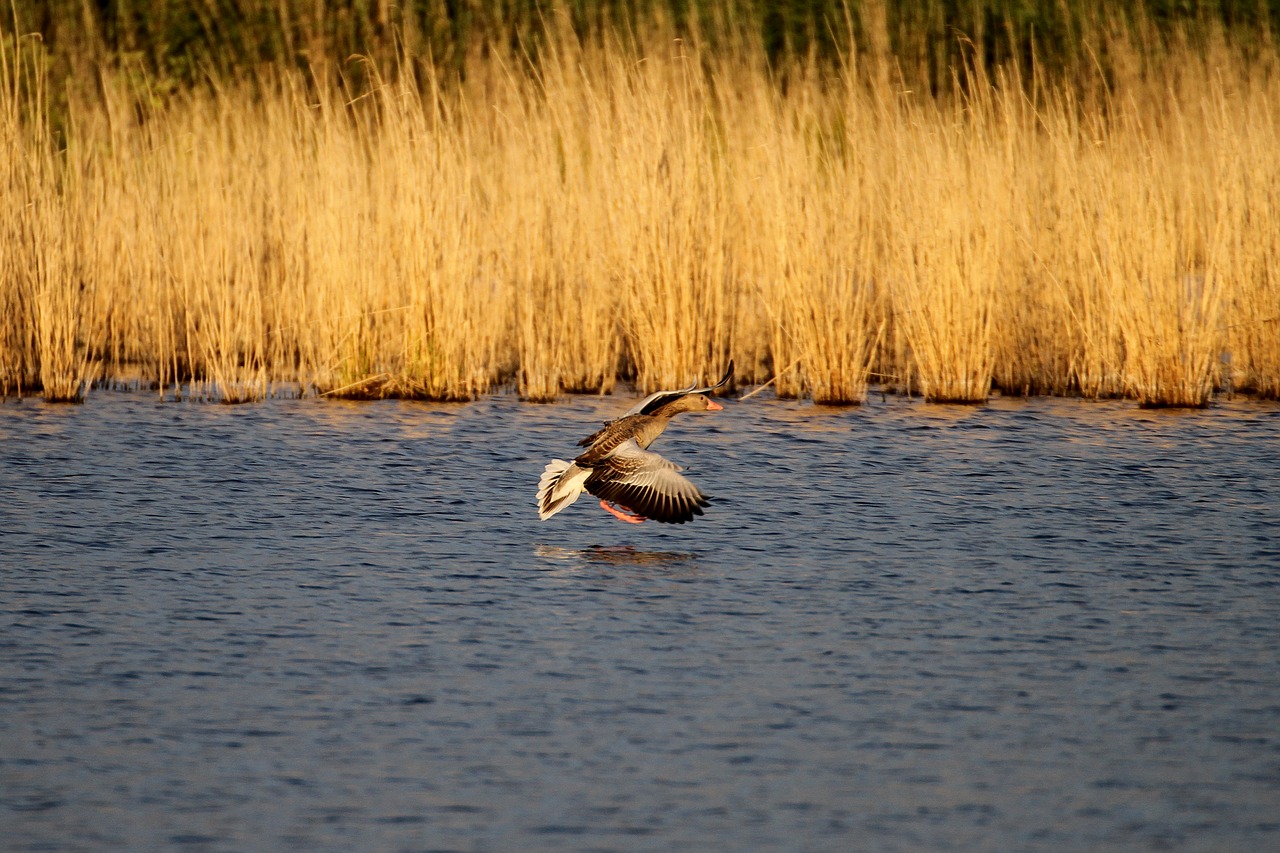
[(186, 41)]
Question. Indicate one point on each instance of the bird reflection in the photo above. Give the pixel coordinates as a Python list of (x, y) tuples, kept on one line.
[(615, 555)]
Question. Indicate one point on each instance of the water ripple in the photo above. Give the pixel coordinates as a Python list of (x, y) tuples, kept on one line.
[(327, 626)]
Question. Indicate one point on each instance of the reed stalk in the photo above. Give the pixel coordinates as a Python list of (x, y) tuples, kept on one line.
[(945, 262), (629, 205)]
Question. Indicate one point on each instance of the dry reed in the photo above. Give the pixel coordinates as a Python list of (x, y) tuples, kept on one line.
[(649, 211)]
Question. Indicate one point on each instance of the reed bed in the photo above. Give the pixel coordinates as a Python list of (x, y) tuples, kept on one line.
[(646, 209)]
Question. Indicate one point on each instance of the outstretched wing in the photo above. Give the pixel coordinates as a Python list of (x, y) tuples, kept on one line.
[(660, 398), (647, 484)]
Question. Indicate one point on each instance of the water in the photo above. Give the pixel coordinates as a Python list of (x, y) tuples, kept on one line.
[(313, 625)]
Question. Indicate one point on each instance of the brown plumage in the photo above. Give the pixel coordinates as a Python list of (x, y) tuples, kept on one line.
[(618, 468)]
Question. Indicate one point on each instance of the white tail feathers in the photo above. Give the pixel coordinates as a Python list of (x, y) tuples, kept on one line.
[(560, 485)]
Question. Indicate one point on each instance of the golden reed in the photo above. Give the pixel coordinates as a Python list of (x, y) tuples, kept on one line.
[(649, 213)]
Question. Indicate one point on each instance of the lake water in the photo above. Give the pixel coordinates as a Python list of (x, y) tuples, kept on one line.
[(311, 625)]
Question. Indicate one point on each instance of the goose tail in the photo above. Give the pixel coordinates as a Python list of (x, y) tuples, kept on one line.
[(560, 485)]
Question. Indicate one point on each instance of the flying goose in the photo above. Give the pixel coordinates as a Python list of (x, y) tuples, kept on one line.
[(617, 468)]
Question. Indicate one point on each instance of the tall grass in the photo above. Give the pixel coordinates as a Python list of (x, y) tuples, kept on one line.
[(647, 208)]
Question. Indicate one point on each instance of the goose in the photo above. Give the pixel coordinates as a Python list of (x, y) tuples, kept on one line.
[(618, 468)]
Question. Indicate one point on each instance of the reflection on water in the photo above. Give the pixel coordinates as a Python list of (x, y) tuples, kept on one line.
[(330, 626), (614, 555)]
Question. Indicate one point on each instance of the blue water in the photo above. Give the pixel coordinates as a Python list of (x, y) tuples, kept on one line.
[(311, 625)]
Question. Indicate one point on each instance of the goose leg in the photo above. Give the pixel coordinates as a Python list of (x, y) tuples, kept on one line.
[(628, 517)]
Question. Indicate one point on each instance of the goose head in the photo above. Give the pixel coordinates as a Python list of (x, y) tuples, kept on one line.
[(689, 403)]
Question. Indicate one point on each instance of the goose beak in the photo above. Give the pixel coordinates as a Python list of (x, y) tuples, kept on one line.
[(713, 406)]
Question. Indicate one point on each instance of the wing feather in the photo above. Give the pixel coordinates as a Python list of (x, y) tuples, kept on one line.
[(646, 483), (607, 440)]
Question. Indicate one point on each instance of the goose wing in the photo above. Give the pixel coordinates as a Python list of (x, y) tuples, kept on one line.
[(647, 484), (661, 398), (609, 436)]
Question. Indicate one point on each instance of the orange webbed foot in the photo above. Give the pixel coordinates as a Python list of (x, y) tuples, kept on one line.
[(621, 515)]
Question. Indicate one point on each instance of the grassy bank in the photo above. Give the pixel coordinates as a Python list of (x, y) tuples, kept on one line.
[(646, 208)]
